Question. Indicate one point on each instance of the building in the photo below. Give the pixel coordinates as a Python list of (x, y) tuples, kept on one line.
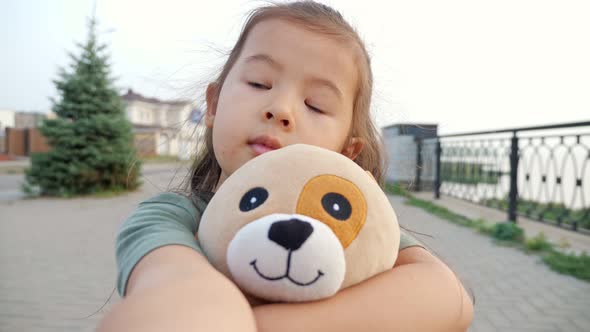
[(402, 144), (19, 135), (6, 121), (420, 130), (7, 118), (163, 128), (28, 119)]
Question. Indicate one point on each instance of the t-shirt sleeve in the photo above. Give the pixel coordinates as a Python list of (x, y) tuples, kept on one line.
[(165, 219), (407, 241)]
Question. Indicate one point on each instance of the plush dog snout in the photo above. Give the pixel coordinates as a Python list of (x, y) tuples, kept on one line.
[(287, 257), (290, 234)]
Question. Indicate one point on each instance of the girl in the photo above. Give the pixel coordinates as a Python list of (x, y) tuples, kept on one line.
[(297, 74)]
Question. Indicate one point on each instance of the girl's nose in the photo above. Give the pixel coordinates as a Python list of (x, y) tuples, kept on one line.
[(282, 118), (280, 110)]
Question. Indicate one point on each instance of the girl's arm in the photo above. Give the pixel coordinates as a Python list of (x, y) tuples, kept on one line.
[(174, 288), (419, 294)]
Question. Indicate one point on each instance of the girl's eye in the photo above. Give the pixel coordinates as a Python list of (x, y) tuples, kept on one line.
[(256, 85), (315, 109)]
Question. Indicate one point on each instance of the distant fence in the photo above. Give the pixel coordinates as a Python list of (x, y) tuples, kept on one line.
[(24, 141), (542, 172)]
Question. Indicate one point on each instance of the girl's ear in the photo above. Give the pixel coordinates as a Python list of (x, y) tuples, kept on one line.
[(211, 99), (353, 148)]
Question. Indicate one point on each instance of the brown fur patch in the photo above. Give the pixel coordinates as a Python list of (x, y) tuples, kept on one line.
[(310, 204)]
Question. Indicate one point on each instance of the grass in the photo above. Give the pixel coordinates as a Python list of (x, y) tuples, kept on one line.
[(546, 212), (12, 170), (397, 189), (507, 233), (467, 173), (575, 265), (538, 243), (33, 192)]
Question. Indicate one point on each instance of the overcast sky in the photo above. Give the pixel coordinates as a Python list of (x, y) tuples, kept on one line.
[(466, 65)]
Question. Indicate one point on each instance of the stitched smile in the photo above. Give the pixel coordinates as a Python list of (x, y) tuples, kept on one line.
[(286, 275)]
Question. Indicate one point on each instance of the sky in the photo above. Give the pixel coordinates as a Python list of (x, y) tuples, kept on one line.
[(466, 65)]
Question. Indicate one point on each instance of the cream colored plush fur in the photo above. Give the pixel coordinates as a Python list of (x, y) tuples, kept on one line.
[(286, 175)]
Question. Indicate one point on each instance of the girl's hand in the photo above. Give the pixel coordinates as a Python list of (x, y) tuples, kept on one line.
[(419, 294), (175, 288)]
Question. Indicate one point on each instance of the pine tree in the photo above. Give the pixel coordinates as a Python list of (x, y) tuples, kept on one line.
[(91, 139)]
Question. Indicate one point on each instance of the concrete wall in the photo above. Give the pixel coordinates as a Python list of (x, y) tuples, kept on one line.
[(401, 153), (428, 173), (402, 159)]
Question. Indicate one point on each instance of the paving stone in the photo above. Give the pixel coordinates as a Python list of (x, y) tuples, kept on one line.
[(514, 291), (60, 268)]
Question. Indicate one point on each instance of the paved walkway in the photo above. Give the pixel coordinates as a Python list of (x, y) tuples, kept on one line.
[(57, 262), (57, 267), (514, 291), (576, 241)]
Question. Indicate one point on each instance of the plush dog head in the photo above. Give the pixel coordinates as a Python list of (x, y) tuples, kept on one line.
[(299, 224)]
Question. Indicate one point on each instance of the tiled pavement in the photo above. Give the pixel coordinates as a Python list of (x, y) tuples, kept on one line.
[(57, 266), (57, 262), (513, 291)]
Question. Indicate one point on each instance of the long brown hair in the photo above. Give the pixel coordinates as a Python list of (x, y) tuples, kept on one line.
[(318, 18), (322, 19)]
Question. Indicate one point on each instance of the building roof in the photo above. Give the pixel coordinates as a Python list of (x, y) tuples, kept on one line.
[(133, 96), (410, 124)]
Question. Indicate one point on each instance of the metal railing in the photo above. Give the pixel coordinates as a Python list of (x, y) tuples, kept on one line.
[(540, 172)]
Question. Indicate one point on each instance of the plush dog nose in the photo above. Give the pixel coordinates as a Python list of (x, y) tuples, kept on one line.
[(290, 234)]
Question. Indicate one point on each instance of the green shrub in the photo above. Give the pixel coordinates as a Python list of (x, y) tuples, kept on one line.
[(538, 243), (508, 231), (483, 226)]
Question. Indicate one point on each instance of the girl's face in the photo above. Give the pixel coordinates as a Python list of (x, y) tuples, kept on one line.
[(289, 85)]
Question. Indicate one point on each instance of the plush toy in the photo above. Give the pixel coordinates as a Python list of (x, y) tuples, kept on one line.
[(299, 224)]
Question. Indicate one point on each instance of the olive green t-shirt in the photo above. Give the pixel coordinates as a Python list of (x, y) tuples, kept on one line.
[(169, 219)]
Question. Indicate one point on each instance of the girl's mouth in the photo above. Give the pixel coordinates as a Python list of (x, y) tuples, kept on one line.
[(263, 143), (260, 148)]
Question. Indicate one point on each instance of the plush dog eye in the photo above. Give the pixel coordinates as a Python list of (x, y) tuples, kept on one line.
[(337, 206), (253, 199)]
